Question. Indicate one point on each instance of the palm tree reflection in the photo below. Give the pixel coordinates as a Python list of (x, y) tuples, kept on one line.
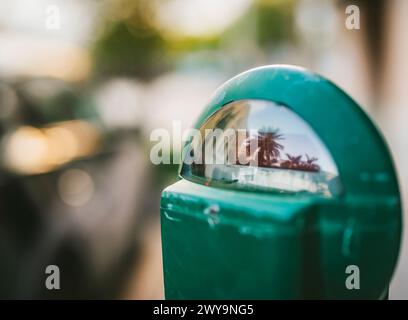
[(267, 153)]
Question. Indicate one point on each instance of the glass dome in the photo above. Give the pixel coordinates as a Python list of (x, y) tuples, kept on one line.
[(258, 144)]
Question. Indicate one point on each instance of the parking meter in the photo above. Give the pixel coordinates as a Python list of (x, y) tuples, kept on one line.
[(313, 210)]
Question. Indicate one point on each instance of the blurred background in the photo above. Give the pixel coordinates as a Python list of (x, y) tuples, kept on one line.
[(84, 82)]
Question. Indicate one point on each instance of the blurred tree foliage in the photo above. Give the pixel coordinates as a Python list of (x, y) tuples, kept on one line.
[(129, 45), (124, 51), (275, 22)]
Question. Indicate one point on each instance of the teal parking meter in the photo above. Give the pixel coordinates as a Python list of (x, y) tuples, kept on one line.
[(307, 207)]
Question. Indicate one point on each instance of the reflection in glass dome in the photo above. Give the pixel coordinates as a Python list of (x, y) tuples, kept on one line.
[(260, 144)]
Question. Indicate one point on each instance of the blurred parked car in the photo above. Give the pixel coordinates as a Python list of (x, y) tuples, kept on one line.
[(70, 193)]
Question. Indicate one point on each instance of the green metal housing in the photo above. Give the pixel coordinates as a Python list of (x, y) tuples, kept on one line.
[(272, 246)]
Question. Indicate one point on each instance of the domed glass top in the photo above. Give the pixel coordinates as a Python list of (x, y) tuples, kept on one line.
[(259, 144)]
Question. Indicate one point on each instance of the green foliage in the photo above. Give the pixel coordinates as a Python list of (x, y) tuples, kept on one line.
[(275, 23), (130, 49)]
